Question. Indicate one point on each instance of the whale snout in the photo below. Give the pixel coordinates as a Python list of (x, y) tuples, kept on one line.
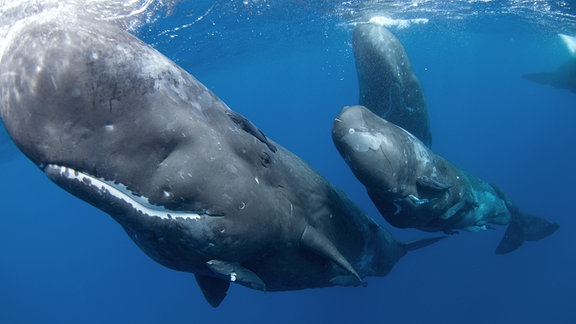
[(352, 131), (365, 146)]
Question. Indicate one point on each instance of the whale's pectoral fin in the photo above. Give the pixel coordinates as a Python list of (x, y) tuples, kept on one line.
[(249, 128), (452, 211), (524, 227), (214, 289), (316, 242), (237, 273)]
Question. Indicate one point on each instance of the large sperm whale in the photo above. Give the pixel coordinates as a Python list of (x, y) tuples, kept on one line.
[(195, 185)]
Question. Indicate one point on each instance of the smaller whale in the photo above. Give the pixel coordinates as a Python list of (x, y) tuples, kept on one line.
[(565, 75), (414, 188), (387, 84)]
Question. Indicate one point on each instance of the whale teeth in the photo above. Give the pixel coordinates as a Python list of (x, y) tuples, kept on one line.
[(320, 244), (117, 190)]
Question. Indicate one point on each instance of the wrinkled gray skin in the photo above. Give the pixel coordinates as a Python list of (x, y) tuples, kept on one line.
[(196, 186), (387, 85), (414, 188)]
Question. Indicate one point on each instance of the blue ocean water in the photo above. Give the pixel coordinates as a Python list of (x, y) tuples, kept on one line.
[(288, 67)]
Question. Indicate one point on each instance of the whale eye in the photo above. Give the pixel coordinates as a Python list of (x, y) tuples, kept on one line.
[(265, 159), (249, 128)]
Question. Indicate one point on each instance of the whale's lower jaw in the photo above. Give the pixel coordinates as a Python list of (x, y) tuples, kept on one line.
[(156, 230), (102, 192)]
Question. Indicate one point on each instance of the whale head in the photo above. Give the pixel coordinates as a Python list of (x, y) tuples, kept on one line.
[(407, 182), (373, 147), (119, 125)]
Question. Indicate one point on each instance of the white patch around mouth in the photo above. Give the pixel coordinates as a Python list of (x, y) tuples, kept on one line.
[(363, 141), (119, 191)]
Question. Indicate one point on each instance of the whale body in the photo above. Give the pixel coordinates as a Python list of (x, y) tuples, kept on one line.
[(194, 184), (413, 187)]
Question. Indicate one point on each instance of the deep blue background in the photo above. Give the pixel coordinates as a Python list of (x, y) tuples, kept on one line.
[(63, 261)]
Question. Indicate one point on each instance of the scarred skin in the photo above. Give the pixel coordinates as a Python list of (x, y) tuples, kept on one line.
[(387, 146), (414, 188), (195, 185), (410, 185)]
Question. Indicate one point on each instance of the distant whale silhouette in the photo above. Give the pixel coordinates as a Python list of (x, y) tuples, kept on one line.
[(194, 184), (564, 76)]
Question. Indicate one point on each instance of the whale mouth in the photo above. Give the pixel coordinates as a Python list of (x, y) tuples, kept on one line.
[(97, 190)]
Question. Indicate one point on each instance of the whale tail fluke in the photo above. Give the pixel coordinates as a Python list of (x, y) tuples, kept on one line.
[(565, 75), (525, 227)]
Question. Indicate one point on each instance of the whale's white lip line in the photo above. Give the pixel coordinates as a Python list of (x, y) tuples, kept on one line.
[(120, 191)]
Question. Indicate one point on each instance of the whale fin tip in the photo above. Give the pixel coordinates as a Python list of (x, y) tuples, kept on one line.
[(320, 244)]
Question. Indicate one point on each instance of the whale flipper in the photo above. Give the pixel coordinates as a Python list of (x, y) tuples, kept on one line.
[(318, 243), (237, 273), (453, 210), (213, 289)]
